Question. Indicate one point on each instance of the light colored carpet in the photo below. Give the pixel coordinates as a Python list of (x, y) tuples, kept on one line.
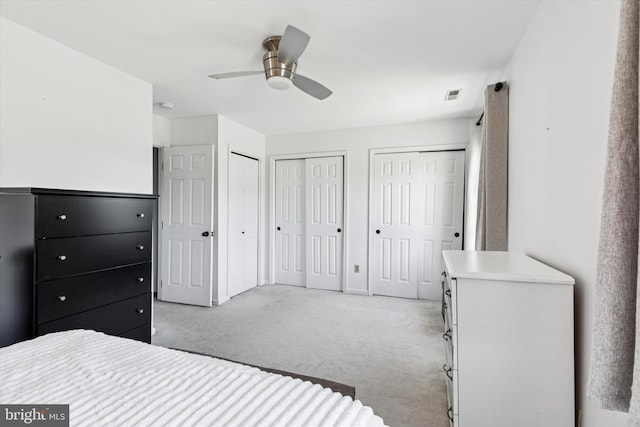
[(390, 349)]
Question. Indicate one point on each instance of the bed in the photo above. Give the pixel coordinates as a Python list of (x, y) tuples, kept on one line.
[(113, 381)]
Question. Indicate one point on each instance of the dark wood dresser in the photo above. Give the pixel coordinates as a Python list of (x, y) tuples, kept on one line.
[(74, 260)]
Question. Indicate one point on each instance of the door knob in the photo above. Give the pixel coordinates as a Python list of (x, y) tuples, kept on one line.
[(377, 231), (278, 228), (243, 232), (205, 234), (339, 230), (457, 234)]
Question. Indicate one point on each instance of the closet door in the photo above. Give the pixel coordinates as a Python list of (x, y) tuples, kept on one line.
[(395, 219), (417, 213), (290, 222), (324, 222), (441, 204), (243, 223)]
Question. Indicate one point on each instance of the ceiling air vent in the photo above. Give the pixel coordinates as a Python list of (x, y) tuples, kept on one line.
[(452, 95)]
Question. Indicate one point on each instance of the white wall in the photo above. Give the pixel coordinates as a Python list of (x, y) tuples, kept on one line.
[(560, 81), (227, 136), (358, 142), (161, 131), (68, 121)]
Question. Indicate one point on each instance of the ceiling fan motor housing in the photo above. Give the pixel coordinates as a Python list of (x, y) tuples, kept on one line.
[(279, 74)]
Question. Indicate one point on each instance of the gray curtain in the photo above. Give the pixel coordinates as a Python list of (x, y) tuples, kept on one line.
[(614, 379), (491, 219)]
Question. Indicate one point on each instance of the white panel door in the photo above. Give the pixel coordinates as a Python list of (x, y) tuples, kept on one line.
[(395, 212), (324, 222), (187, 221), (243, 217), (441, 214), (417, 212), (290, 222)]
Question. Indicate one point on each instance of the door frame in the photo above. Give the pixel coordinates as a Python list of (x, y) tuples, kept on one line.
[(372, 154), (345, 206)]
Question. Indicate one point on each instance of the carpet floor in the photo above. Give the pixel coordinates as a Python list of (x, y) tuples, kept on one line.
[(390, 349)]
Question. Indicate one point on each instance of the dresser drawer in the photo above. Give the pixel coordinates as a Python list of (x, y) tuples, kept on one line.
[(63, 297), (112, 319), (76, 255), (66, 216)]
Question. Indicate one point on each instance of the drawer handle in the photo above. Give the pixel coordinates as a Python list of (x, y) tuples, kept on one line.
[(140, 311), (140, 215), (62, 258), (139, 247), (62, 298), (447, 370), (447, 335), (140, 279), (449, 414), (448, 292), (62, 217)]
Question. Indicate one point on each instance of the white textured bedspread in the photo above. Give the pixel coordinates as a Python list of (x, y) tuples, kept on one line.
[(111, 381)]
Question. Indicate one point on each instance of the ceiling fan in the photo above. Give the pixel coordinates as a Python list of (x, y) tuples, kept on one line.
[(280, 62)]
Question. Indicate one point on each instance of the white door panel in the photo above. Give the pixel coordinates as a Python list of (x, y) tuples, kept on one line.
[(187, 213), (243, 223), (324, 222), (290, 221), (417, 211), (442, 215), (395, 210)]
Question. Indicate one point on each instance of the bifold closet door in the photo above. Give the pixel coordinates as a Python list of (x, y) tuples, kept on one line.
[(417, 212), (243, 208), (290, 222), (324, 222)]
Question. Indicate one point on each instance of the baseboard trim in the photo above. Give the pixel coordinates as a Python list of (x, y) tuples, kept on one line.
[(356, 292)]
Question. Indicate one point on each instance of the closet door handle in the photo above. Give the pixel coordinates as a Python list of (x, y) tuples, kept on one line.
[(62, 298), (140, 311), (377, 231), (140, 279), (62, 258), (205, 234), (339, 230), (140, 247), (140, 215), (62, 217), (278, 228)]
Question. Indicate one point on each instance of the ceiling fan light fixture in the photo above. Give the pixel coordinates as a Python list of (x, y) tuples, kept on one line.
[(279, 82)]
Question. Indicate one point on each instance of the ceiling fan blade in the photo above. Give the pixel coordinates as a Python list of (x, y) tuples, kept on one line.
[(235, 74), (292, 44), (311, 87)]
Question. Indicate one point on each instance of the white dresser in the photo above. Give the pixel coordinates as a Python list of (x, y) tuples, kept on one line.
[(510, 346)]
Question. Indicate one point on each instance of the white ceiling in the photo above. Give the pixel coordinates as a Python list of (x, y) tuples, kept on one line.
[(387, 62)]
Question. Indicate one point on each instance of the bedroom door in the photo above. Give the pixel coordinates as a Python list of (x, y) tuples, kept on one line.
[(324, 222), (186, 225), (244, 205), (417, 211), (290, 222)]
